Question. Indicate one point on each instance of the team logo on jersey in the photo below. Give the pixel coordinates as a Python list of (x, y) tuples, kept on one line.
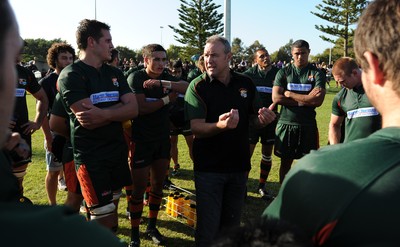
[(115, 81), (311, 78), (243, 92), (22, 81)]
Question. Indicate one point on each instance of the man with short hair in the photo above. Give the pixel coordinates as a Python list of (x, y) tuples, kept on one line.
[(299, 88), (221, 104), (114, 61), (98, 99), (59, 56), (263, 75), (40, 225), (347, 194), (351, 105), (154, 89), (26, 82)]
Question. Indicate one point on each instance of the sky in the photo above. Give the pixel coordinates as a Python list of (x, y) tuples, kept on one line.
[(135, 23)]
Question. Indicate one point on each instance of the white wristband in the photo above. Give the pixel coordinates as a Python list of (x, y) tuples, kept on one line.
[(165, 100), (167, 84)]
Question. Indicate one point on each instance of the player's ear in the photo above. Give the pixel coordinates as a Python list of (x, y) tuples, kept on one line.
[(375, 72)]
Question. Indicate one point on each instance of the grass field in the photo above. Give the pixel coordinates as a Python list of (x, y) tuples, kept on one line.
[(177, 233)]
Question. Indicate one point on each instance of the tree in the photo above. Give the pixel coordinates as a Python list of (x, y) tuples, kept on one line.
[(174, 52), (125, 52), (343, 14), (335, 52), (38, 48), (284, 53), (199, 20), (237, 50), (249, 52)]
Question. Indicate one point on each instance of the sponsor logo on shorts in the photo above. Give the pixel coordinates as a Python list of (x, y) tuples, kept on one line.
[(105, 193)]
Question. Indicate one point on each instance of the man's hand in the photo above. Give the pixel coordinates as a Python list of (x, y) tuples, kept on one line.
[(12, 124), (150, 83), (92, 117), (30, 127), (266, 115), (315, 92), (49, 143), (228, 120), (173, 96)]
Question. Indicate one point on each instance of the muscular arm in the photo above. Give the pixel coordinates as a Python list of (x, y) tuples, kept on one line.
[(335, 129), (314, 98), (278, 97), (42, 105), (177, 86), (47, 133), (91, 117)]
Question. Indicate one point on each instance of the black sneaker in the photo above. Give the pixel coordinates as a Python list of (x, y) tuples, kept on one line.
[(155, 235), (134, 243)]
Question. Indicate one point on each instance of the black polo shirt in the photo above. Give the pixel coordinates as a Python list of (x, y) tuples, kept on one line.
[(208, 98)]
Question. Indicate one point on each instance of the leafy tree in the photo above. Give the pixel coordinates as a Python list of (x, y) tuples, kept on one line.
[(343, 14), (249, 51), (335, 52), (125, 52), (37, 48), (237, 50), (284, 53), (199, 20), (174, 52)]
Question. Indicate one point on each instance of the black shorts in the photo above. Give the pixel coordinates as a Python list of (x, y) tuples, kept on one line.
[(99, 179), (295, 141), (184, 130), (266, 135), (147, 152)]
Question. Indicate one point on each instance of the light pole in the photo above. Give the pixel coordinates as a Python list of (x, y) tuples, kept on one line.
[(95, 9), (161, 28), (227, 23)]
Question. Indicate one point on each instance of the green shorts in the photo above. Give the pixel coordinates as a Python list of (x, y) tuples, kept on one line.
[(147, 152), (99, 179), (295, 141)]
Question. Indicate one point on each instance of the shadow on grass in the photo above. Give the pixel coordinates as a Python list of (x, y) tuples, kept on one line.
[(175, 232)]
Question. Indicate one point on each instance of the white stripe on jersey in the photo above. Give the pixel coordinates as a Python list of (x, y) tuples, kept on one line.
[(111, 96), (362, 112)]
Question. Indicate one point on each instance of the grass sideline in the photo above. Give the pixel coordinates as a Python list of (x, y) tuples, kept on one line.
[(177, 233)]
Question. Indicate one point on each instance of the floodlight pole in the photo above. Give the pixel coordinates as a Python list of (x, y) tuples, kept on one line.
[(227, 22)]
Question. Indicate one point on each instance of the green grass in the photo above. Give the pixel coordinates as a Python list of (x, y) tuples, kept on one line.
[(178, 234)]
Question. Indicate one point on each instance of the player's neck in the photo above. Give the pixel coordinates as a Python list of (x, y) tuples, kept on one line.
[(90, 60)]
